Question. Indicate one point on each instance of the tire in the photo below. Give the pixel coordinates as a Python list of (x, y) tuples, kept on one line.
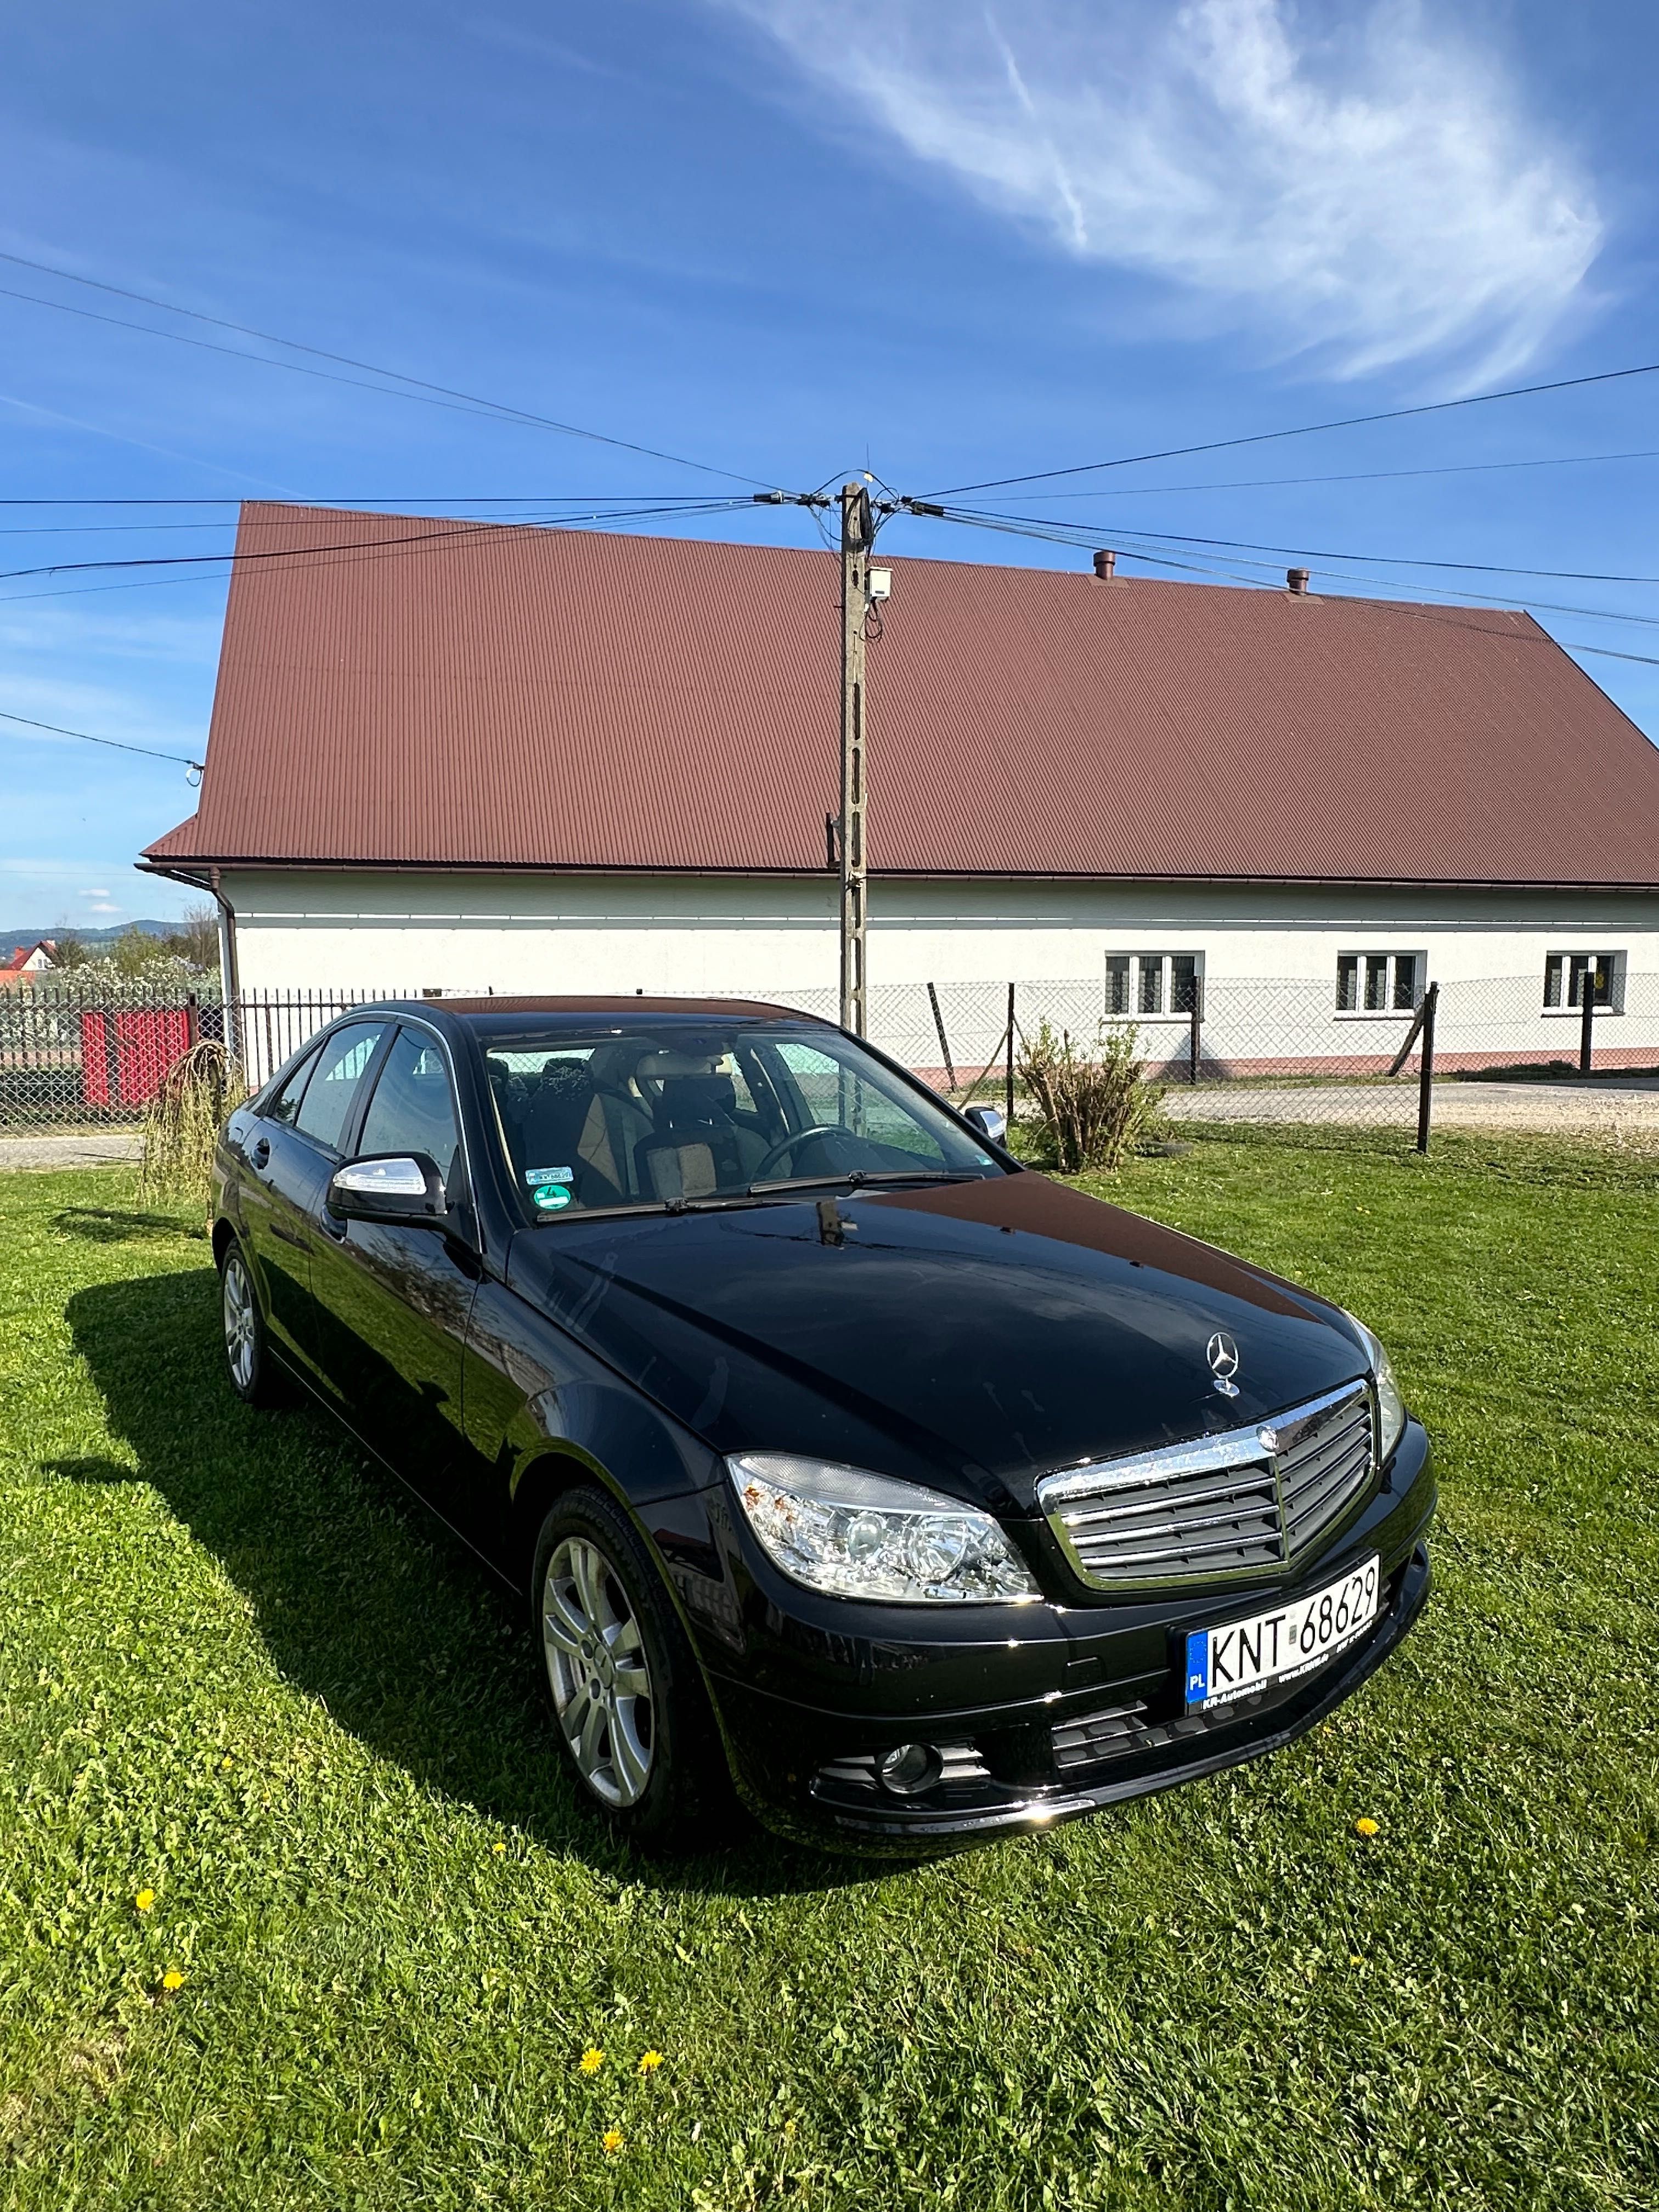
[(248, 1364), (635, 1725)]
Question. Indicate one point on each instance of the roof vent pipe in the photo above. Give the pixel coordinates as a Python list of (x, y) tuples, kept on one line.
[(1106, 566), (1299, 579)]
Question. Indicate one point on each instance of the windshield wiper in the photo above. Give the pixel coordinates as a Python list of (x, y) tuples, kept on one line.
[(707, 1201), (752, 1193), (856, 1179)]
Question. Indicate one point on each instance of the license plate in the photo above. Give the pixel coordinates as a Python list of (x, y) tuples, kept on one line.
[(1246, 1656)]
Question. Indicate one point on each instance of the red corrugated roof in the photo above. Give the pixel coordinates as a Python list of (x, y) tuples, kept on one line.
[(431, 694)]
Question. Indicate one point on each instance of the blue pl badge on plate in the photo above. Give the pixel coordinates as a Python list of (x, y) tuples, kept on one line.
[(1198, 1666)]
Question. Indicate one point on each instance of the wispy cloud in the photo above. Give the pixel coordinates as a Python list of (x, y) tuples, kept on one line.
[(1364, 183)]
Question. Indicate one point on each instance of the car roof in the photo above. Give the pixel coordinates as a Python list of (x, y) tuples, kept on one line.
[(573, 1012)]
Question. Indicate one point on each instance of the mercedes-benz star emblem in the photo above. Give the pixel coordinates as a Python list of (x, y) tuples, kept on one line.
[(1223, 1355)]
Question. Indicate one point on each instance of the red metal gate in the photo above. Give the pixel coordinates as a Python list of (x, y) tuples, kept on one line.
[(126, 1054)]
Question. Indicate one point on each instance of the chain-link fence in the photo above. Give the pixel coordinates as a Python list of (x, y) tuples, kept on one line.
[(70, 1058), (1279, 1051), (1283, 1052)]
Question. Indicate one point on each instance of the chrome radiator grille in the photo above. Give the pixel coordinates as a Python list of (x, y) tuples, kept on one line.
[(1245, 1503)]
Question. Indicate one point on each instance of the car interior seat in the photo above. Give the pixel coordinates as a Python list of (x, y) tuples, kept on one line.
[(695, 1144)]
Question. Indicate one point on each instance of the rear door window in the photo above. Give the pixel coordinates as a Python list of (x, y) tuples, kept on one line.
[(326, 1106), (285, 1106)]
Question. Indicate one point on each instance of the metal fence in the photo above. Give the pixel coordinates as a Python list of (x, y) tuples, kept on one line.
[(1235, 1050), (75, 1059)]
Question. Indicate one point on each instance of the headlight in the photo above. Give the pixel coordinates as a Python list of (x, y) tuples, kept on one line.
[(1390, 1403), (852, 1535)]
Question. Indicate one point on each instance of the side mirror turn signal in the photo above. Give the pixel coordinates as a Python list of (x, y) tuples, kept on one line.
[(398, 1187)]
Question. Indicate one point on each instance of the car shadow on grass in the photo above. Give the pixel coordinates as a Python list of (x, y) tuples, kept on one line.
[(103, 1224), (363, 1599)]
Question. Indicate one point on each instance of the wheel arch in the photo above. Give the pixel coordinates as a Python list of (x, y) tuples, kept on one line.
[(544, 1478)]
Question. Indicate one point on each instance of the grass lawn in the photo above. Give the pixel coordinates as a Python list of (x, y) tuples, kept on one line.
[(238, 1671)]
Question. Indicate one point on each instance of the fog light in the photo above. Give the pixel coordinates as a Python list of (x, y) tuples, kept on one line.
[(912, 1768)]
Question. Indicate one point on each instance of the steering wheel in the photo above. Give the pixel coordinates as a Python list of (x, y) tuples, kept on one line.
[(785, 1145)]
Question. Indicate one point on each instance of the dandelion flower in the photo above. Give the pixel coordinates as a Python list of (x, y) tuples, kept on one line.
[(650, 2061), (145, 1899), (613, 2139), (592, 2059), (1366, 1827), (172, 1979), (499, 1849)]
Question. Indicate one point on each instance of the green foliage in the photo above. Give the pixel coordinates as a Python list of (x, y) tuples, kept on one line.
[(240, 1668), (182, 1124), (137, 965), (1092, 1107), (196, 940), (70, 952)]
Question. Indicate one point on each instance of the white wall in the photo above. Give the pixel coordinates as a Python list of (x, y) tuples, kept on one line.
[(414, 930)]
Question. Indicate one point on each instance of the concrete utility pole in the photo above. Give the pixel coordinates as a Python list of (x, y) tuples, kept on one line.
[(857, 530)]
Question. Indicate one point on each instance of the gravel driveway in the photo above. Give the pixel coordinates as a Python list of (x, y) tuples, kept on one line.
[(93, 1148), (1610, 1107)]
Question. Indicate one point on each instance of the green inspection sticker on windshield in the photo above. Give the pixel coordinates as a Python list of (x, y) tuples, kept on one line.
[(551, 1197)]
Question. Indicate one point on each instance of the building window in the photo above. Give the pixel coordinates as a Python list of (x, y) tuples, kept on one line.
[(1564, 977), (1379, 982), (1152, 983)]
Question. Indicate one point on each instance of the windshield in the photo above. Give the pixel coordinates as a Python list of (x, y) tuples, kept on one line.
[(678, 1114)]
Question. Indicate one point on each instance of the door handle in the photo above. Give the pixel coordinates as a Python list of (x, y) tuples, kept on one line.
[(260, 1153)]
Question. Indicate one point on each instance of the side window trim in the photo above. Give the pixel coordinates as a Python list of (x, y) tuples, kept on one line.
[(368, 1082), (419, 1032), (419, 1028), (354, 1114)]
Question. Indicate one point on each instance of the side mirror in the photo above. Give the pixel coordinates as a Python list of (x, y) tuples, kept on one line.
[(989, 1121), (398, 1187)]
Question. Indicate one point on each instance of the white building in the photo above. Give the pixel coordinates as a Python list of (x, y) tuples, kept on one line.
[(452, 757)]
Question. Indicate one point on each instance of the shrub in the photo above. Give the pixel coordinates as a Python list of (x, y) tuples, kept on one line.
[(1092, 1107), (182, 1124)]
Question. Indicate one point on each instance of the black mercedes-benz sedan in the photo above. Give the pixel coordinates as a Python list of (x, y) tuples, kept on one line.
[(836, 1453)]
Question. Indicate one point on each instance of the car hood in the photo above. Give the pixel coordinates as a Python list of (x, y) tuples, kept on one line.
[(975, 1336)]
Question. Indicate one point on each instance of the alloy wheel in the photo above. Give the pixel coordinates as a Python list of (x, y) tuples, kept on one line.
[(240, 1323), (599, 1671)]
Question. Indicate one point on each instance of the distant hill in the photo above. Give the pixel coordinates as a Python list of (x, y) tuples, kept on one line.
[(8, 937)]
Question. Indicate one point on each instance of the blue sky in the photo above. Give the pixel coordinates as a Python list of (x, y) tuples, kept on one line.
[(783, 238)]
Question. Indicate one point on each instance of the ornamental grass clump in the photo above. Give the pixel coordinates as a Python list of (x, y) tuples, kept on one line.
[(182, 1124), (1092, 1105)]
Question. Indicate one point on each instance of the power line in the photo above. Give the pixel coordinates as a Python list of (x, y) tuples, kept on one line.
[(1072, 534), (1378, 560), (442, 395), (1357, 476), (117, 745), (600, 503), (1651, 660), (364, 549), (346, 545), (1446, 618), (1305, 429), (377, 499)]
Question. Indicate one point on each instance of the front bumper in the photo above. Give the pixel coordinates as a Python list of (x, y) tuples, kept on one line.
[(1073, 1707)]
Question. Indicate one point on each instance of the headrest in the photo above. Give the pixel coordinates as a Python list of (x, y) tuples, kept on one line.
[(564, 1077)]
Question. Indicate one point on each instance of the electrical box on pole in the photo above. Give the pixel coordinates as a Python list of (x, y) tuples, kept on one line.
[(857, 531)]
